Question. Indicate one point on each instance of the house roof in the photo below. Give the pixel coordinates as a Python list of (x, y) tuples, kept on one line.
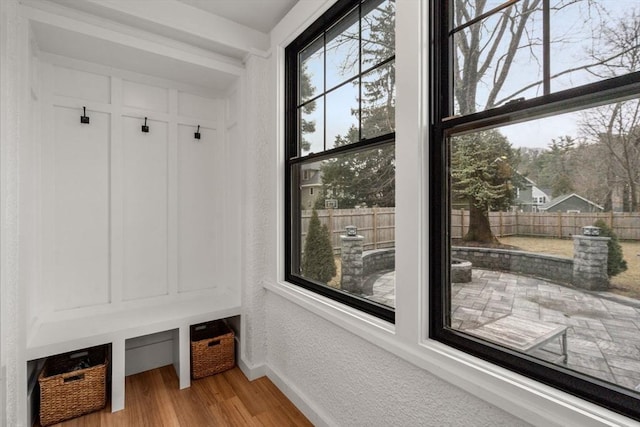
[(530, 182), (564, 197)]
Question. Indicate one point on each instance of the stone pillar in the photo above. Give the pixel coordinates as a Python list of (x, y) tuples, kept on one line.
[(352, 265), (590, 255)]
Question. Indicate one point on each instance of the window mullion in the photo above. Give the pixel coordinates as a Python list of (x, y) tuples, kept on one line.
[(546, 47), (356, 147), (324, 90), (360, 71), (483, 16), (587, 96)]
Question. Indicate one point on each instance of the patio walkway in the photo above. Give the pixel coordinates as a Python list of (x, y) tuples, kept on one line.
[(603, 330), (384, 289)]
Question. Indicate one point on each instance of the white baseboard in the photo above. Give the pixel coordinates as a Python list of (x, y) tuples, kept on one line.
[(302, 402), (316, 415), (252, 372)]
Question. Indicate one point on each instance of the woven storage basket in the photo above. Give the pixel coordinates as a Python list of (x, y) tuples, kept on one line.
[(212, 349), (73, 384)]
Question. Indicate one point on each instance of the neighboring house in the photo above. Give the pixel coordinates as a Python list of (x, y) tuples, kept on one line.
[(571, 203), (530, 197), (310, 184)]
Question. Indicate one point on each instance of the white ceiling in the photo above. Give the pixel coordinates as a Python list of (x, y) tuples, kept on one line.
[(100, 51), (202, 42), (253, 19), (261, 15)]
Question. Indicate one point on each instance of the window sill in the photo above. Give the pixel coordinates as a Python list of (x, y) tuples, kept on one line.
[(347, 317), (522, 397)]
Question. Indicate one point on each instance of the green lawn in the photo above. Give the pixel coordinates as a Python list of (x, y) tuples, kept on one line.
[(627, 283)]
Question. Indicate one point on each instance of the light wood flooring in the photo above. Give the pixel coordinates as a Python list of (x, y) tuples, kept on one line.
[(154, 399)]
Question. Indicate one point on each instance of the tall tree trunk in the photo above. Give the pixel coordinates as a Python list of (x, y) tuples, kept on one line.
[(608, 201), (479, 226), (633, 194), (626, 200)]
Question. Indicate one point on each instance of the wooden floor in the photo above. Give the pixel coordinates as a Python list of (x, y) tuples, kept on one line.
[(228, 399)]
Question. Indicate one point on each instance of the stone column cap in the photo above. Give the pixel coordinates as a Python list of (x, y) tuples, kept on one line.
[(354, 238), (582, 236)]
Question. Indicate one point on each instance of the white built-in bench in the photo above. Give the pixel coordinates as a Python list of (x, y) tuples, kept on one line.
[(116, 326)]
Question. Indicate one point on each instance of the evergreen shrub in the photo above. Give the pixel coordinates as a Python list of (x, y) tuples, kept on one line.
[(318, 262), (615, 263)]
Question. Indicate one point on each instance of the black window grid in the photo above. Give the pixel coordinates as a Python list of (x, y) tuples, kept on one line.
[(293, 154), (444, 124)]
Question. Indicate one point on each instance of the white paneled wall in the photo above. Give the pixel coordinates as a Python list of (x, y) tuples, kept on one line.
[(145, 97), (78, 189), (145, 208), (128, 217), (199, 214), (198, 107), (81, 85)]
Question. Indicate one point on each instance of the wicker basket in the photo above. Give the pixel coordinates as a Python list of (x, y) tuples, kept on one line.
[(212, 349), (73, 384)]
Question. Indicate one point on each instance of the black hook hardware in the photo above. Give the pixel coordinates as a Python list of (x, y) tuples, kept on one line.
[(145, 128), (83, 118), (197, 134)]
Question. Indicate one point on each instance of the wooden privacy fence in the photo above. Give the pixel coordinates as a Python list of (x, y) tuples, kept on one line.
[(377, 225), (549, 224)]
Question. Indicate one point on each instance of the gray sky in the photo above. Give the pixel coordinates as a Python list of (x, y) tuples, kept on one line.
[(566, 55)]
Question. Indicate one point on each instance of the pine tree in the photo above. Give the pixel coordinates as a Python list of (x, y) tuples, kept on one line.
[(615, 263), (317, 262), (368, 177), (307, 90), (482, 174), (483, 59), (364, 178), (378, 88), (560, 151)]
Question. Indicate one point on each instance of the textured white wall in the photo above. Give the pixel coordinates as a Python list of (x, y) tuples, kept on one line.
[(258, 205), (354, 383)]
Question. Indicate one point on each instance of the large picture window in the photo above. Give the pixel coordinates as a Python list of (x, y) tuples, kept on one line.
[(340, 156), (535, 190)]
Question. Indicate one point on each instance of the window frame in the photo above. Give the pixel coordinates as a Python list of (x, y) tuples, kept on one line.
[(443, 124), (292, 156)]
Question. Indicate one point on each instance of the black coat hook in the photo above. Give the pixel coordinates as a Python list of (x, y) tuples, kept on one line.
[(83, 117), (197, 134), (145, 128)]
